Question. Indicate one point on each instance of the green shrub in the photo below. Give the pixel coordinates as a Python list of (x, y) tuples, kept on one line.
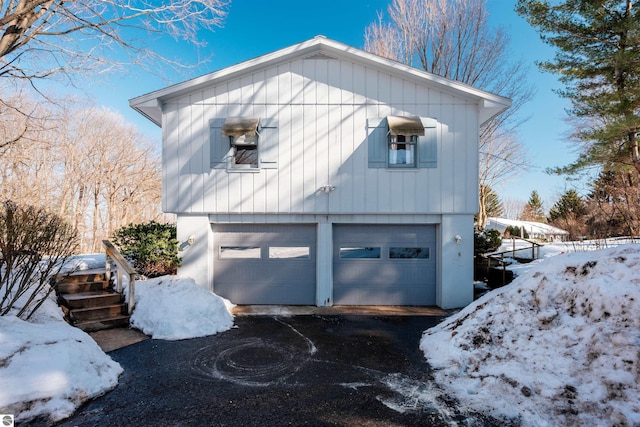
[(486, 241), (514, 231), (34, 246), (152, 248)]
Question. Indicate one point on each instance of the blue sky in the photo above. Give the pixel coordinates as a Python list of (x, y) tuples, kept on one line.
[(257, 27)]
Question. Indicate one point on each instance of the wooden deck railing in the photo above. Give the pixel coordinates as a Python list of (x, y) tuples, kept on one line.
[(122, 266), (499, 256)]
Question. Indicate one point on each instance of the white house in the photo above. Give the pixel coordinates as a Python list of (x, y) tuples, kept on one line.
[(321, 174), (535, 230)]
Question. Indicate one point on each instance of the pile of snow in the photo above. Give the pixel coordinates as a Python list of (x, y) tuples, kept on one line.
[(558, 346), (49, 369), (84, 262), (522, 248), (176, 308)]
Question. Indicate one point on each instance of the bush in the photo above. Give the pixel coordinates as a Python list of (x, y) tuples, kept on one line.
[(486, 241), (514, 231), (152, 248), (34, 246)]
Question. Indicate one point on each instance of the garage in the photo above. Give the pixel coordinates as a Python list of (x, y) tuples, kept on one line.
[(384, 264), (265, 263)]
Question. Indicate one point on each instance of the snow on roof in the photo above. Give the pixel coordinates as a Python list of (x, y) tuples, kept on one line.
[(530, 226)]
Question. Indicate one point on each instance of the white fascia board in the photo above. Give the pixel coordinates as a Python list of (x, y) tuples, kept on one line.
[(489, 104), (150, 108)]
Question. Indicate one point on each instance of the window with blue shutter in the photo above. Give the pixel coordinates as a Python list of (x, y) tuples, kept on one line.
[(397, 142), (243, 143)]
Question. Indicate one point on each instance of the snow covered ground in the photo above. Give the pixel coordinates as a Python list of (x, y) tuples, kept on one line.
[(49, 368), (560, 345)]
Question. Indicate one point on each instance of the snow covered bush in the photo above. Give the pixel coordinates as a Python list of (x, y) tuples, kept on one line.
[(151, 247), (34, 245), (486, 241)]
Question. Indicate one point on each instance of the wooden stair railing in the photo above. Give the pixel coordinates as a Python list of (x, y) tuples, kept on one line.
[(499, 256), (112, 253), (91, 300)]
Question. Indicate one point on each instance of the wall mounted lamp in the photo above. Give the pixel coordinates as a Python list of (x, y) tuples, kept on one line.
[(191, 239), (327, 188), (457, 239)]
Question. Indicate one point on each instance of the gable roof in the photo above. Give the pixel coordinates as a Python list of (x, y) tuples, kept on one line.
[(489, 104), (537, 228)]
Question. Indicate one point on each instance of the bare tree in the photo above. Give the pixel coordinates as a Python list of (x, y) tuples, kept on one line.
[(41, 38), (452, 38), (512, 208), (613, 206), (89, 166), (121, 174)]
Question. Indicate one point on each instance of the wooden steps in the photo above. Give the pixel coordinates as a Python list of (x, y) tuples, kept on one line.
[(89, 302)]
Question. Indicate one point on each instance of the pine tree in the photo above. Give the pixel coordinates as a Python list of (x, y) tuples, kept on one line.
[(533, 210), (493, 203), (490, 205), (569, 214), (598, 58)]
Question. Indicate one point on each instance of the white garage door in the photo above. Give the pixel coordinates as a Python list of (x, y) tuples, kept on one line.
[(384, 265), (265, 263)]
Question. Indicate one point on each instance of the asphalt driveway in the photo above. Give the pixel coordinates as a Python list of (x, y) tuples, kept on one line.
[(277, 371)]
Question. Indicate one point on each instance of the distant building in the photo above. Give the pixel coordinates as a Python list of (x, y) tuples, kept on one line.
[(535, 230)]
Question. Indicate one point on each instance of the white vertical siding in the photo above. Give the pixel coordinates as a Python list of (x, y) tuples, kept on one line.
[(322, 107)]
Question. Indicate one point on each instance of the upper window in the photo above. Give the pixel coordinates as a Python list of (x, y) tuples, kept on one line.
[(243, 139), (402, 142), (402, 151), (243, 143), (403, 139)]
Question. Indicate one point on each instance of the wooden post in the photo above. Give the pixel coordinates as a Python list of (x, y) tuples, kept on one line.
[(119, 280), (107, 268), (132, 287)]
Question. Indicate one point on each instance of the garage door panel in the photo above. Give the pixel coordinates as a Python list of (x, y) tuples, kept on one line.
[(383, 296), (403, 272), (265, 263)]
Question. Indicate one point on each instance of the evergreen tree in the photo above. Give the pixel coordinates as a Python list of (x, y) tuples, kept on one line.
[(598, 58), (533, 210), (569, 213), (569, 204), (493, 203), (490, 206)]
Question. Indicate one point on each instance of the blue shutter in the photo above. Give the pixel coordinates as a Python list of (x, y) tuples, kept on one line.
[(377, 142), (428, 144), (268, 144), (219, 148)]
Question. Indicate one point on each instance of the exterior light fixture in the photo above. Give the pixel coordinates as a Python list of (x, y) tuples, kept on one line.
[(327, 188), (191, 239), (457, 239)]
